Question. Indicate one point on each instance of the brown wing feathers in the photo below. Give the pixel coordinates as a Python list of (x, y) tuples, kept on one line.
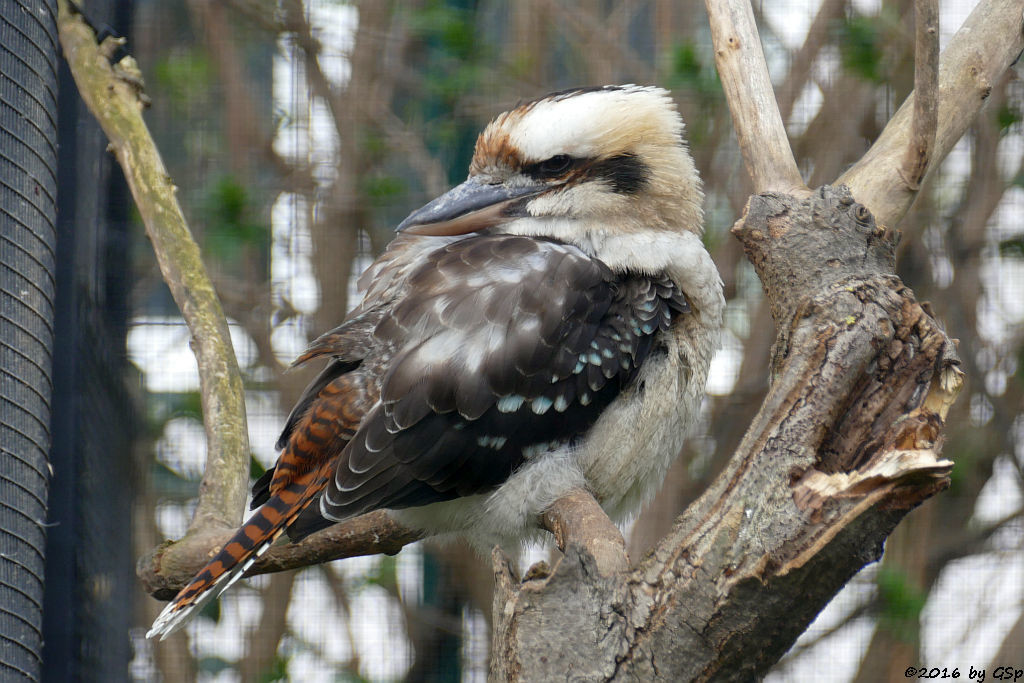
[(302, 472)]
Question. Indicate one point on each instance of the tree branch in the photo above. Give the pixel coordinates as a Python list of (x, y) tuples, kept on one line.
[(984, 47), (163, 575), (113, 93), (577, 519), (803, 59), (926, 87), (748, 90)]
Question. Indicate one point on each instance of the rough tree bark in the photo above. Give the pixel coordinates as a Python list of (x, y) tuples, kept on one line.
[(846, 442)]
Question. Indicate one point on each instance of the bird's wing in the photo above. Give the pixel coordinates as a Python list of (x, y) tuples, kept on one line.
[(502, 346)]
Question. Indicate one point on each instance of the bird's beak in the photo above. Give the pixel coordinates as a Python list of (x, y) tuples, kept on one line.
[(469, 207)]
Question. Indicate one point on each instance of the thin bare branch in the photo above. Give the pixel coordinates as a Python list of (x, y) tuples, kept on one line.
[(113, 93), (589, 26), (748, 90), (411, 146), (262, 642), (803, 60), (984, 47), (926, 89)]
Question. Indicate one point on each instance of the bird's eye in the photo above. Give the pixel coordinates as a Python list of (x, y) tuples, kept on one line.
[(556, 164)]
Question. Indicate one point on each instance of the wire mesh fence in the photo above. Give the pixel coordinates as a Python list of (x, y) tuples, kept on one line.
[(300, 133)]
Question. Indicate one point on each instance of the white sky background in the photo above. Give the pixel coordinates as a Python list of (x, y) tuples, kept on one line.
[(976, 600)]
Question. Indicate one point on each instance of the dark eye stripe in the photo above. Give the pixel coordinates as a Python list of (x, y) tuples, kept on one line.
[(549, 169), (625, 172)]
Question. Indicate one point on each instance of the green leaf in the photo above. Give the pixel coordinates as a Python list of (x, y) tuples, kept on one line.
[(168, 484), (277, 671), (691, 72), (902, 602), (449, 28), (385, 575), (227, 214), (383, 189), (211, 610), (860, 48), (1012, 247), (214, 665), (685, 63), (184, 74), (190, 404), (1007, 116), (256, 469)]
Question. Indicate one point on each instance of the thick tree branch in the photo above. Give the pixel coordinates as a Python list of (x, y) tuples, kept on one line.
[(984, 47), (748, 89), (113, 93), (577, 519)]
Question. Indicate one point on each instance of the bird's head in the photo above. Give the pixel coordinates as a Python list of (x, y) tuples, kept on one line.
[(575, 165)]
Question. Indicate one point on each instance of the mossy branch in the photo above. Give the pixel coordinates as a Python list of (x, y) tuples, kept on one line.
[(113, 93)]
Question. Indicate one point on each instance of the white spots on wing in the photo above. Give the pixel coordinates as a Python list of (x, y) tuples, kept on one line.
[(541, 405), (495, 442), (585, 399), (561, 404), (510, 404)]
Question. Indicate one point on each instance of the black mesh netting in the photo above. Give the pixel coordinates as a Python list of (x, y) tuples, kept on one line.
[(28, 159)]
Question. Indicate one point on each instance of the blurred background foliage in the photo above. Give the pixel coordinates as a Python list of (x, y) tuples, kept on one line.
[(301, 131)]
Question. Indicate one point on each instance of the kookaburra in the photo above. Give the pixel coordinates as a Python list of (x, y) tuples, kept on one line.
[(547, 324)]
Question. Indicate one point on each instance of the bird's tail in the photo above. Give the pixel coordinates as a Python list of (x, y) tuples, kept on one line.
[(239, 553)]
